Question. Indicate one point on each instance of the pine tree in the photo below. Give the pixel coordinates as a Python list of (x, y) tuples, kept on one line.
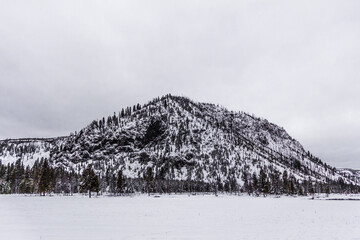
[(149, 179), (115, 120), (327, 190), (264, 183), (120, 183), (25, 185), (45, 178), (90, 181), (286, 187), (255, 182)]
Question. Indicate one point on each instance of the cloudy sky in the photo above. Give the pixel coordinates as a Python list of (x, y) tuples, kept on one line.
[(296, 63)]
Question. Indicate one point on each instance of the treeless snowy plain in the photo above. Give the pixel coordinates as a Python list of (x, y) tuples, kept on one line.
[(176, 217)]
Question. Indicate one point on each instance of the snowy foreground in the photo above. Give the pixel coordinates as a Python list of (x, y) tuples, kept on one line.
[(177, 217)]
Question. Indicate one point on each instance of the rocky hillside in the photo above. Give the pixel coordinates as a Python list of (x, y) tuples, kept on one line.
[(180, 140), (352, 174)]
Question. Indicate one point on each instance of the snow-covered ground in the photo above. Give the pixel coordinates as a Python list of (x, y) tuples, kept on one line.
[(177, 217)]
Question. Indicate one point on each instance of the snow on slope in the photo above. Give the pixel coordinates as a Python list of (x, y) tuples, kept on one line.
[(28, 151), (352, 174), (181, 140)]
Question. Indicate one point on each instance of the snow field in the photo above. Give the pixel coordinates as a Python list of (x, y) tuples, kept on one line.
[(176, 217)]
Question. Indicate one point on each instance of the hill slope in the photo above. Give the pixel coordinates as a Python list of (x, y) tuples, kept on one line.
[(181, 140)]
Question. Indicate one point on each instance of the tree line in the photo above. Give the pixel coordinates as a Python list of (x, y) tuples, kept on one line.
[(42, 178)]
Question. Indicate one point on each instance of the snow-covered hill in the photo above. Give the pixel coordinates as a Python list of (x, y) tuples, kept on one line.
[(352, 174), (180, 140)]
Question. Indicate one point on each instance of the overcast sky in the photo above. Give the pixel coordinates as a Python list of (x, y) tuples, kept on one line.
[(296, 63)]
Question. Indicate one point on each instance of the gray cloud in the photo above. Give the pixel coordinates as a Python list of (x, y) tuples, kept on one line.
[(65, 63)]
